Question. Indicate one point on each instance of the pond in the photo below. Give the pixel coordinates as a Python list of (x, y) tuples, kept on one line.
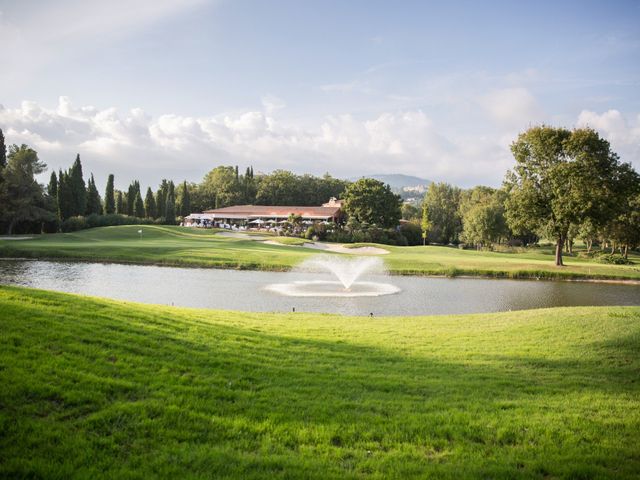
[(249, 290)]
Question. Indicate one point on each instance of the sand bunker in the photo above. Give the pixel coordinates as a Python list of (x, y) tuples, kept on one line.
[(335, 248)]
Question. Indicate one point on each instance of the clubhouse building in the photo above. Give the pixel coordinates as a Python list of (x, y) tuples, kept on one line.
[(248, 216)]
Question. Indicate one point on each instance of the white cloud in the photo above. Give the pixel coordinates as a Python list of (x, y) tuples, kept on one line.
[(623, 135), (134, 145), (512, 107)]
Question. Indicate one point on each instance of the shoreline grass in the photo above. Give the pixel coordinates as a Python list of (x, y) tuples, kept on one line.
[(184, 247), (111, 389)]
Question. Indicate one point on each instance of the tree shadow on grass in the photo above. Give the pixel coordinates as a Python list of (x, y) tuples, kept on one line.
[(142, 390)]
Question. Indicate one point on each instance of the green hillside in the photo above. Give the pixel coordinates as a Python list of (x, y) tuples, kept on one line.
[(103, 389)]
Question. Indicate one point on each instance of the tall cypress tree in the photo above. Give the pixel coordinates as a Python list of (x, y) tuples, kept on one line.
[(109, 198), (134, 189), (150, 204), (161, 198), (66, 201), (170, 209), (52, 194), (52, 188), (119, 203), (185, 201), (94, 203), (78, 188), (138, 206), (3, 151)]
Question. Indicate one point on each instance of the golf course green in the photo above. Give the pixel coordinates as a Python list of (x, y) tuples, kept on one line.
[(94, 388), (178, 246)]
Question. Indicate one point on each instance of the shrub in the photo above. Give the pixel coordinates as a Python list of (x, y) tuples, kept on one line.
[(369, 234), (613, 259), (412, 232), (73, 224)]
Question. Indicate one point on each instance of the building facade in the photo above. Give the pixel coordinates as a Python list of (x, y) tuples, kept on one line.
[(255, 215)]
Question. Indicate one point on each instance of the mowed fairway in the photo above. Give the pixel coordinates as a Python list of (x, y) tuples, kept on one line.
[(95, 388), (160, 245), (165, 245)]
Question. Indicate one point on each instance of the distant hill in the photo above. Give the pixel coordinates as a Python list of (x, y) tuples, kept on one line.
[(409, 187)]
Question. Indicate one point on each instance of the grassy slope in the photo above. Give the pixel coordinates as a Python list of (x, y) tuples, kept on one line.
[(100, 388), (183, 246)]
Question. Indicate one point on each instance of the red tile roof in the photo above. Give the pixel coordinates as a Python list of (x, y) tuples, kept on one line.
[(256, 211)]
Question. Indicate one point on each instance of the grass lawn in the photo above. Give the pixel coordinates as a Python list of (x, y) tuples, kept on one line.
[(96, 388), (166, 245), (290, 241)]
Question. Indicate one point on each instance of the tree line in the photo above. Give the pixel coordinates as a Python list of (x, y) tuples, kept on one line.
[(68, 202), (567, 185)]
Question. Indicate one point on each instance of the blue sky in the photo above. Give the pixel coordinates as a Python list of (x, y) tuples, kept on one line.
[(168, 88)]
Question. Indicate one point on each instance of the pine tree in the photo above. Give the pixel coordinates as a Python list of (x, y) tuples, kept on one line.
[(119, 203), (66, 203), (138, 206), (150, 204), (109, 199), (78, 188), (185, 201), (94, 203)]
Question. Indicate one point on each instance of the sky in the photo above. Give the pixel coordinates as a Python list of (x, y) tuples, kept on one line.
[(152, 89)]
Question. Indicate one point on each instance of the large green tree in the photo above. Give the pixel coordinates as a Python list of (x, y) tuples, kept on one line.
[(562, 179), (109, 197), (221, 187), (21, 196), (281, 187), (442, 202), (371, 201), (483, 218)]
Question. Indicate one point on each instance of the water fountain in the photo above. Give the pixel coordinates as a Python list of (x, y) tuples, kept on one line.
[(347, 272)]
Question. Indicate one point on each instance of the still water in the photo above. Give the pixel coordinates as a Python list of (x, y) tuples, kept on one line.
[(247, 290)]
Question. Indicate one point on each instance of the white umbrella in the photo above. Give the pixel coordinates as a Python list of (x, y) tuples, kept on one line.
[(258, 221)]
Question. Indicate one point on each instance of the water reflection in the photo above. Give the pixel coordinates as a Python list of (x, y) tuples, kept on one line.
[(247, 290)]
